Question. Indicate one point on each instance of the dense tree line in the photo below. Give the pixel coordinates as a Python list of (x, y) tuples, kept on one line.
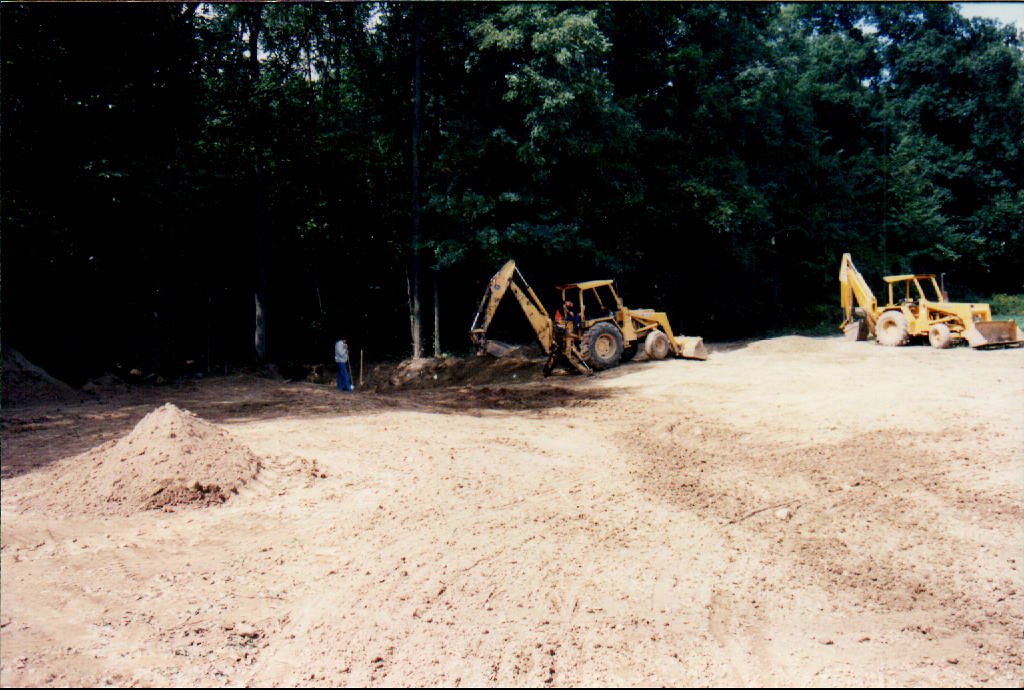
[(232, 184)]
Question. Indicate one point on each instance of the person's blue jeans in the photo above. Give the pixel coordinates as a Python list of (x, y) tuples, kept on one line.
[(343, 383)]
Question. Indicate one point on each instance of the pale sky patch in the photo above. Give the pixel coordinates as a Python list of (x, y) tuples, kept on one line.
[(1004, 12)]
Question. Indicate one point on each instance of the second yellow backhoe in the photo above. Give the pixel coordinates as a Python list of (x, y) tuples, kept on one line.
[(918, 308), (605, 333)]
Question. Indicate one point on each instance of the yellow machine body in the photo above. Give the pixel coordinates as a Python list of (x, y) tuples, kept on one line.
[(917, 307), (634, 324), (607, 332)]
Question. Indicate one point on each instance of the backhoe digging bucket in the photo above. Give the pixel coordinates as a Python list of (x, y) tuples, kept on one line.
[(691, 348), (499, 349), (993, 334), (856, 330)]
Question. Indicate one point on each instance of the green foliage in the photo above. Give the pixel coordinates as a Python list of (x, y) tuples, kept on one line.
[(1007, 304), (716, 158)]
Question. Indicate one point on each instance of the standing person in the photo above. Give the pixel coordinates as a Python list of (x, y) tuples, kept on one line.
[(341, 357)]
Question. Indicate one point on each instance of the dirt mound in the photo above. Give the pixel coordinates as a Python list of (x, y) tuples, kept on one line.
[(107, 383), (788, 344), (519, 366), (171, 457), (24, 382), (529, 397)]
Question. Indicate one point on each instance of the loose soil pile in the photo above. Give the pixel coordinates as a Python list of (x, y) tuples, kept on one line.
[(787, 344), (24, 382), (790, 512), (522, 365), (107, 383), (170, 458)]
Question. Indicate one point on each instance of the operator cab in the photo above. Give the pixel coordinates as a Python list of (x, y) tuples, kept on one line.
[(906, 290), (595, 299)]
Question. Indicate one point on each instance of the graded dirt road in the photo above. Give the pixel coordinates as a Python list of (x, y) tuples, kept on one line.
[(795, 511)]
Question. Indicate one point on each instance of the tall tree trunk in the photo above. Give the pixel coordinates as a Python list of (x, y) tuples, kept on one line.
[(437, 318), (209, 333), (414, 302), (259, 224)]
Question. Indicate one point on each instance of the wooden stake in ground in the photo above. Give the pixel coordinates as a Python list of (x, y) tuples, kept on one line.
[(759, 510), (360, 367)]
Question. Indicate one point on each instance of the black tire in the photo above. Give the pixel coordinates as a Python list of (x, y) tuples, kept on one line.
[(939, 336), (628, 353), (891, 329), (656, 345), (601, 346)]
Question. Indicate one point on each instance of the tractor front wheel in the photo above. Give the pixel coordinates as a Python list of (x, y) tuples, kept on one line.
[(891, 329), (601, 346), (656, 345), (939, 336)]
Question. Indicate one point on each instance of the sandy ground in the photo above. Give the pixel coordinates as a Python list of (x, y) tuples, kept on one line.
[(795, 511)]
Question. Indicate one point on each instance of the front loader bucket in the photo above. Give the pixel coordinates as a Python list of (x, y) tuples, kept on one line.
[(691, 347), (993, 334)]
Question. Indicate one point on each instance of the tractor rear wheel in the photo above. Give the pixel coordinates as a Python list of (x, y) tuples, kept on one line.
[(601, 346), (656, 345), (891, 329), (939, 336)]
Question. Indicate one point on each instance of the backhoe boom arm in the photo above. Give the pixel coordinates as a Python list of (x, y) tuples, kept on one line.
[(853, 287), (502, 282)]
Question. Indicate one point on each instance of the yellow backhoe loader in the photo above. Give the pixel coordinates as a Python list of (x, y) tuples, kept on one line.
[(604, 334), (911, 312)]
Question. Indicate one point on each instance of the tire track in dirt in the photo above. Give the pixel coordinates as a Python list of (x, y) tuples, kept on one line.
[(523, 539), (605, 535), (835, 529)]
